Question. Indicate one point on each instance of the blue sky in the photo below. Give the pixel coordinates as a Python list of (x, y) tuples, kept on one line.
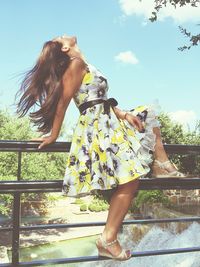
[(139, 58)]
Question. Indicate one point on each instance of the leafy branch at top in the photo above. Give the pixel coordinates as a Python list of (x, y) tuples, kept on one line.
[(194, 39)]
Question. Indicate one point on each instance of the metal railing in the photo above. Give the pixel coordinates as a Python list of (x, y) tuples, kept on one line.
[(18, 187)]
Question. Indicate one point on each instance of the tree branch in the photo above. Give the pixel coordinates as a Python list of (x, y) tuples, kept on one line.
[(194, 39)]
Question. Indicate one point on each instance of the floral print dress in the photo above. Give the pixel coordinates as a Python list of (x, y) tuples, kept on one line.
[(106, 151)]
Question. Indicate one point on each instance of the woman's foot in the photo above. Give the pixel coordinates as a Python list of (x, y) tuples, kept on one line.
[(112, 249), (166, 169)]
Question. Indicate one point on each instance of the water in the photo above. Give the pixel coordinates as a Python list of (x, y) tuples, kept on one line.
[(63, 249), (156, 239)]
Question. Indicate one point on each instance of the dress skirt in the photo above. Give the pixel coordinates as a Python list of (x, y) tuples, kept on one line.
[(106, 151)]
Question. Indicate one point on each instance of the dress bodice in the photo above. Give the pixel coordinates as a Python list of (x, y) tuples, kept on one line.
[(94, 86)]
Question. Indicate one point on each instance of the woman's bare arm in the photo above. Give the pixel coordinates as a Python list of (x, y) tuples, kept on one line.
[(133, 120), (119, 113)]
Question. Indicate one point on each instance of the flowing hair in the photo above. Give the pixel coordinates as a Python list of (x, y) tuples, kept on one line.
[(42, 86)]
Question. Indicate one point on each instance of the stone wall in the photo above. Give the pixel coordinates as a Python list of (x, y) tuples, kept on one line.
[(181, 196), (158, 211), (185, 200)]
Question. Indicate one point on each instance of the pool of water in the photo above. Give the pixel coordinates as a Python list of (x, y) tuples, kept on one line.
[(77, 247)]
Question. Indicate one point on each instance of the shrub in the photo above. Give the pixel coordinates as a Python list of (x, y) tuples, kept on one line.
[(83, 207), (79, 201), (91, 207), (98, 205), (149, 196), (35, 166)]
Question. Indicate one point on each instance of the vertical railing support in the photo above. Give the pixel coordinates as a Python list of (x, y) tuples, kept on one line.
[(16, 218), (19, 165), (15, 233)]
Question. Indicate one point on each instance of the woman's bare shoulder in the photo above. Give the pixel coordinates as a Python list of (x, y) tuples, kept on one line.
[(77, 66)]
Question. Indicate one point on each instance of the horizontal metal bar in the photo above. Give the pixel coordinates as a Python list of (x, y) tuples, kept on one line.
[(127, 222), (30, 191), (8, 187), (30, 186), (77, 225), (100, 258), (169, 183), (32, 146), (182, 149)]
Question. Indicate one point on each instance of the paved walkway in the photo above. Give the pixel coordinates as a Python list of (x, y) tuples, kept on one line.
[(65, 209)]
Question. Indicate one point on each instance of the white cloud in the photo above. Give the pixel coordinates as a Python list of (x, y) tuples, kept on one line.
[(127, 57), (184, 117), (136, 7), (145, 8)]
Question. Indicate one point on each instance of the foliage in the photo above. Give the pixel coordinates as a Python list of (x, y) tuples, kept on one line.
[(193, 38), (6, 204), (79, 201), (173, 133), (98, 204), (149, 196), (35, 166), (12, 128), (83, 207)]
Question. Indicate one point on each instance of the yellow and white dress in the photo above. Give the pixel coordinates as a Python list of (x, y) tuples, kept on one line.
[(106, 151)]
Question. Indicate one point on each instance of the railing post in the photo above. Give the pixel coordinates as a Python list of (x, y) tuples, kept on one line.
[(16, 218), (15, 233), (19, 165)]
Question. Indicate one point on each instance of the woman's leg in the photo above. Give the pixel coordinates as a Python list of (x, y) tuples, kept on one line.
[(159, 153), (122, 197), (119, 204)]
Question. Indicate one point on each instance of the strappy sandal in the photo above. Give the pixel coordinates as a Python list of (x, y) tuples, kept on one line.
[(164, 172), (102, 246)]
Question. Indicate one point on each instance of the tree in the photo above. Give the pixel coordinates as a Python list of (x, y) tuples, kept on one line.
[(173, 133), (194, 39), (35, 166)]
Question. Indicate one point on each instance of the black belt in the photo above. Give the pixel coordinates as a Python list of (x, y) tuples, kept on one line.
[(107, 104)]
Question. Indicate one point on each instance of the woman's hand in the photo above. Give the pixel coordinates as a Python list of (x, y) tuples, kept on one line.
[(134, 121), (45, 140)]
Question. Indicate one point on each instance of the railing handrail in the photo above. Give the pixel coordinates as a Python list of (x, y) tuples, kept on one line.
[(56, 185), (32, 146), (62, 146)]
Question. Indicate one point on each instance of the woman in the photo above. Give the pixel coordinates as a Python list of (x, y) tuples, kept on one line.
[(111, 148)]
